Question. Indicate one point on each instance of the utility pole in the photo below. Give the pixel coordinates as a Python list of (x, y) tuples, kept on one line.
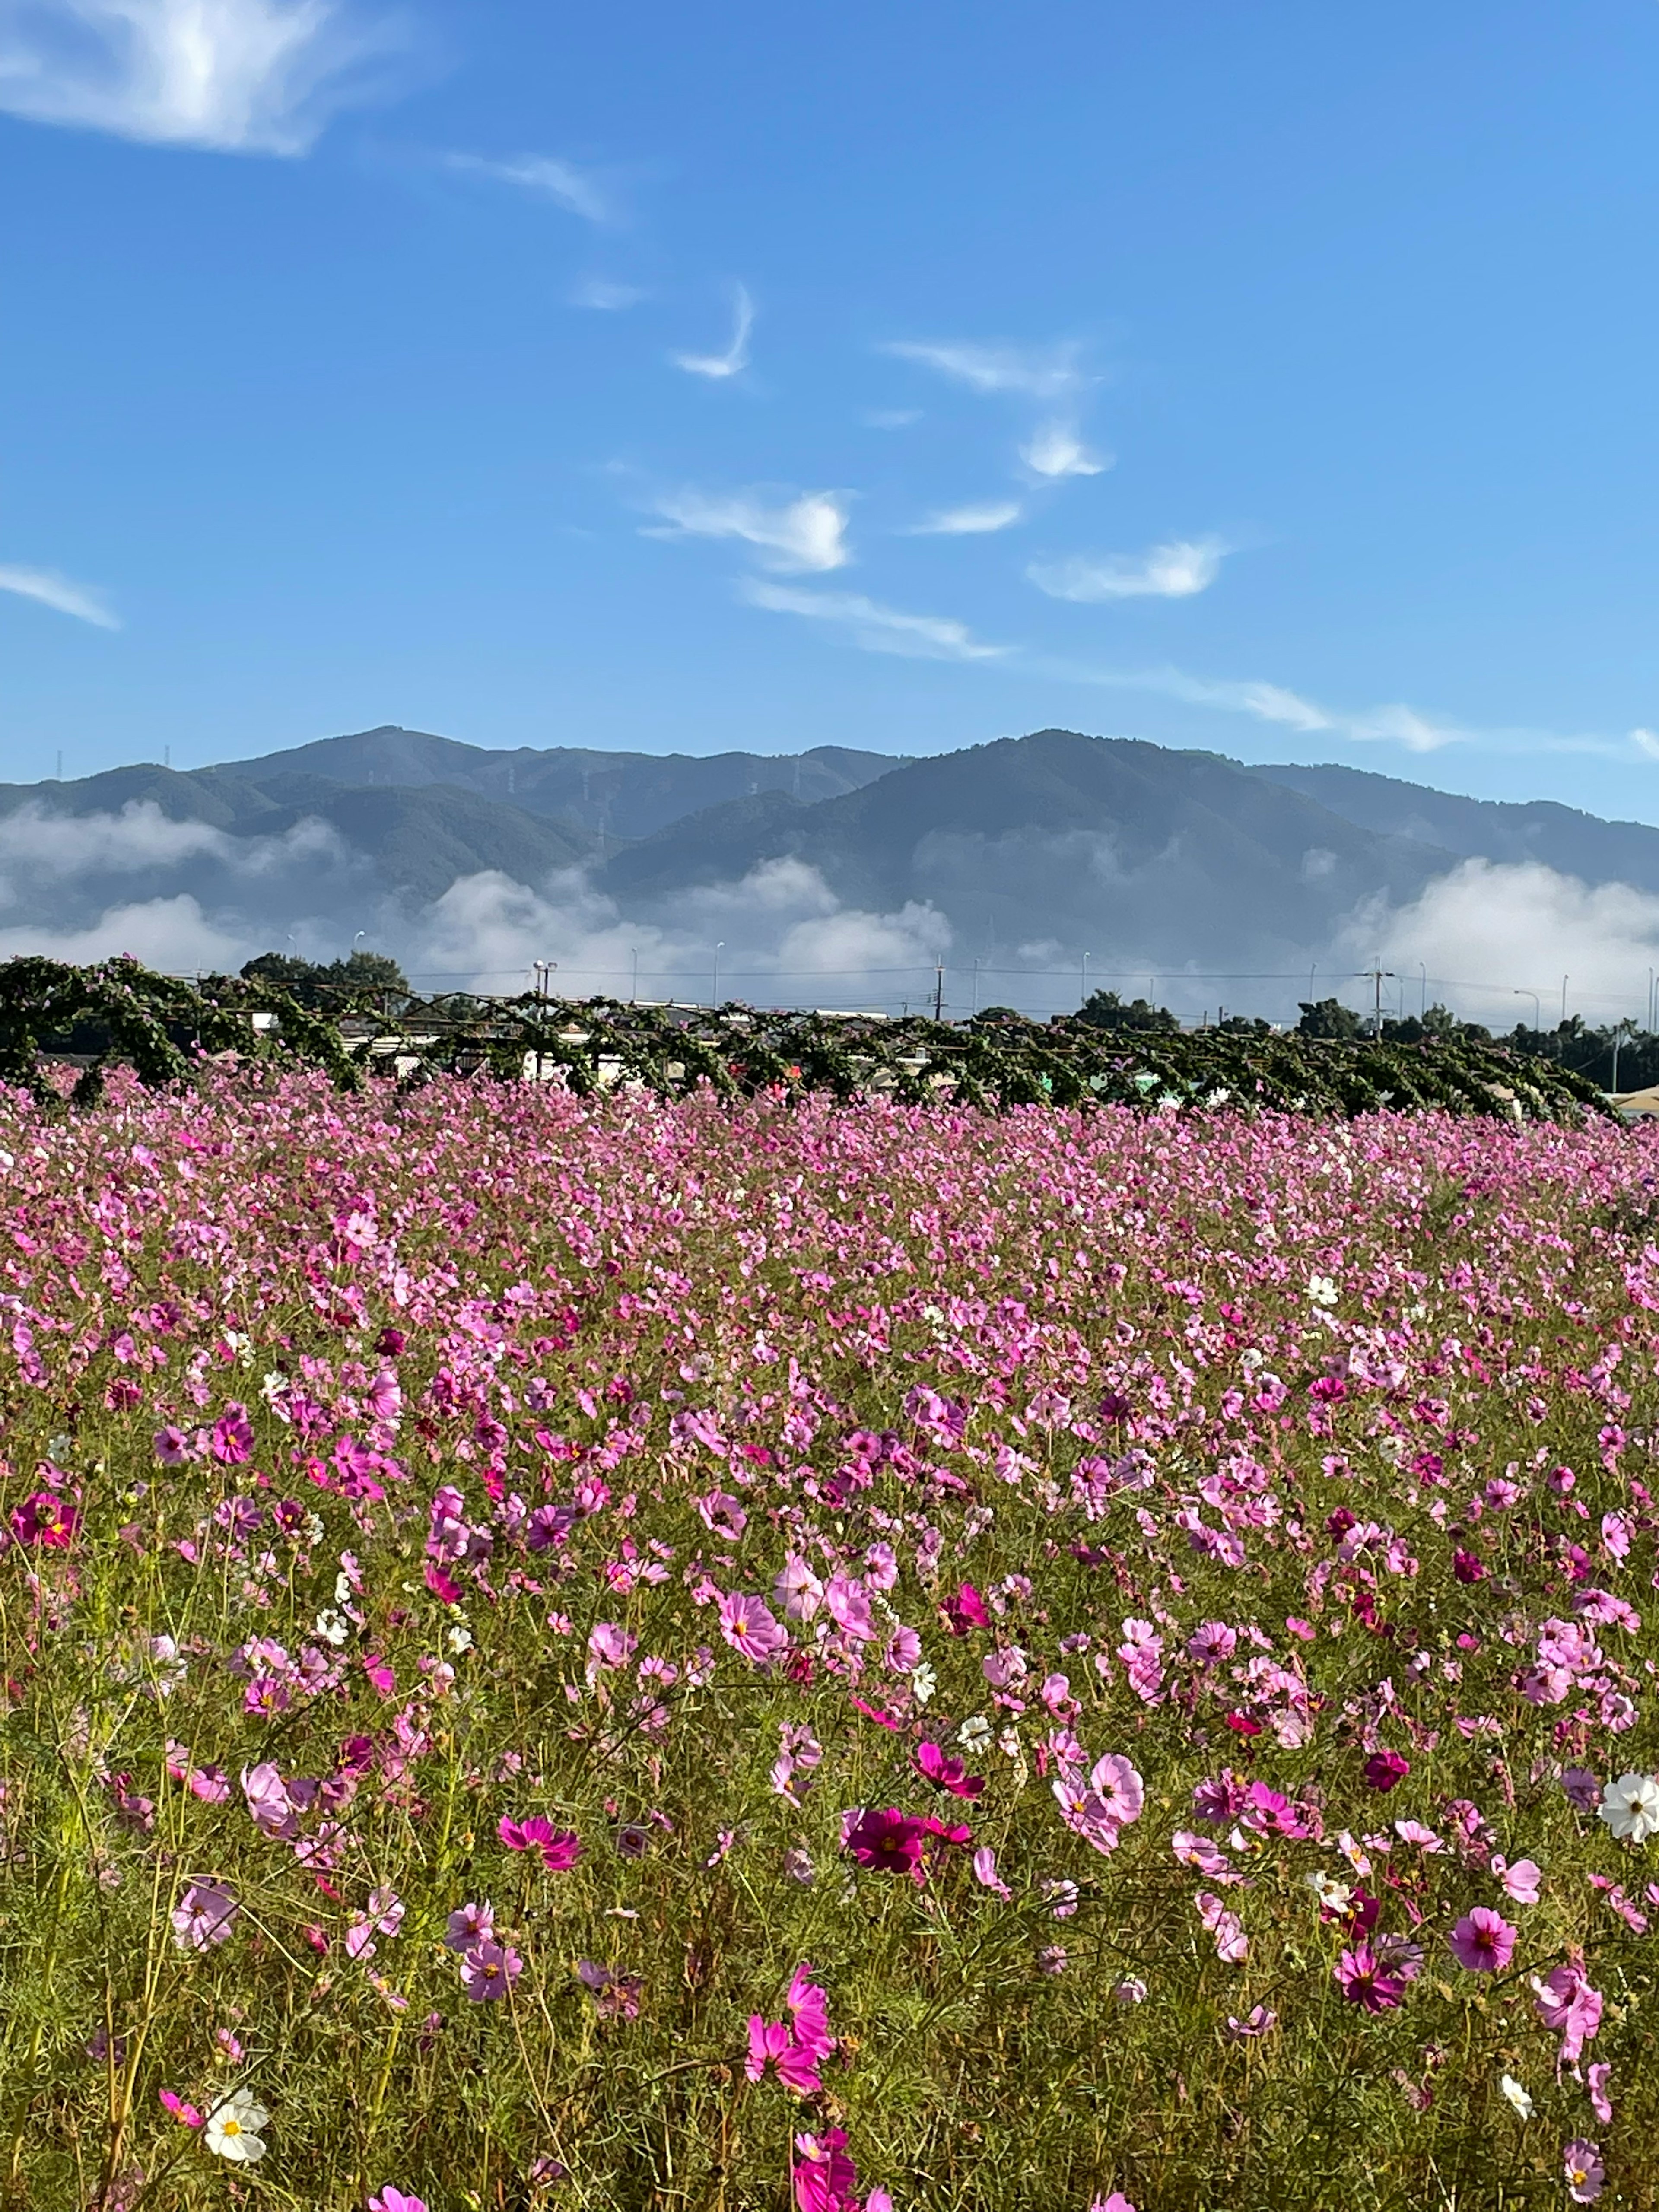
[(1377, 975), (939, 992), (1423, 1008)]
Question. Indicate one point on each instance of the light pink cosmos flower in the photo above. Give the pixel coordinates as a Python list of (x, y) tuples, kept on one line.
[(1567, 2004), (985, 1873), (1520, 1878), (469, 1925), (1586, 2175), (1483, 1942), (1233, 1945), (1256, 2023), (488, 1971), (749, 1627), (1596, 2086), (204, 1916)]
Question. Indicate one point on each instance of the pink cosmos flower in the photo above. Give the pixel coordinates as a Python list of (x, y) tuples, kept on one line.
[(615, 1996), (1364, 1980), (396, 2200), (750, 1628), (888, 1841), (232, 1442), (772, 2045), (1482, 1941), (1256, 2023), (1116, 1783), (488, 1971), (1117, 2201), (186, 2114), (809, 2009), (560, 1848), (1212, 1642), (1586, 2175)]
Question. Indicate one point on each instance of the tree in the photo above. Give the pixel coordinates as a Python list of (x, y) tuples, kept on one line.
[(362, 974), (1329, 1017), (1104, 1010)]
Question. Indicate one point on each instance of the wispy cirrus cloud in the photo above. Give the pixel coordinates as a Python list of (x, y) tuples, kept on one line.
[(1394, 724), (57, 591), (244, 76), (605, 295), (578, 191), (1037, 371), (969, 521), (1056, 449), (735, 359), (1175, 571), (874, 627), (802, 536)]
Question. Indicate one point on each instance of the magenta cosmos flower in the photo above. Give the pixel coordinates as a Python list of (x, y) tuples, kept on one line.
[(1386, 1768), (45, 1521), (772, 2047), (1365, 1981), (947, 1773), (560, 1848), (749, 1627), (1483, 1940), (396, 2200), (888, 1841)]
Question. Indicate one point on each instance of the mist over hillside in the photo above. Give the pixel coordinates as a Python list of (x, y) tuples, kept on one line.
[(1023, 867)]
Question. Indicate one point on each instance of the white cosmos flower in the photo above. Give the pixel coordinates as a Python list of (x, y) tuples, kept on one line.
[(923, 1681), (233, 2130), (1321, 1290), (1516, 2095), (974, 1734), (1629, 1807), (332, 1627)]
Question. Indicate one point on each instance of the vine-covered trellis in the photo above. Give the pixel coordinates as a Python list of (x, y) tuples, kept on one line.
[(165, 1028)]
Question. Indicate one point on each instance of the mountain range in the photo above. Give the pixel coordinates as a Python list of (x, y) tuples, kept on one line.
[(1026, 853)]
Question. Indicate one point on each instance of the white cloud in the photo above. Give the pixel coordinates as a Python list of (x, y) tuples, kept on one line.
[(52, 591), (1056, 449), (1491, 935), (600, 292), (1272, 703), (876, 628), (1038, 372), (783, 936), (574, 190), (255, 76), (889, 418), (171, 934), (807, 535), (1175, 571), (969, 521), (735, 359)]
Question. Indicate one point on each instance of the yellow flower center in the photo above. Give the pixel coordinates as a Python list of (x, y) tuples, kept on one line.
[(232, 2126)]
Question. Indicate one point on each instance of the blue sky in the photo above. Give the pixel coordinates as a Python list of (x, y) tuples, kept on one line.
[(1278, 380)]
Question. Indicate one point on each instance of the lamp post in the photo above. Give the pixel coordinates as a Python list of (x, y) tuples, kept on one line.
[(634, 989), (1423, 1007), (1084, 999), (1537, 1013), (718, 949)]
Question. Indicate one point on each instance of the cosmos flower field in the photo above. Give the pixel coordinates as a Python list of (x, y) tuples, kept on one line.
[(823, 1658)]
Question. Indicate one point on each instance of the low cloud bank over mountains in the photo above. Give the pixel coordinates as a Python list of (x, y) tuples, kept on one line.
[(839, 878)]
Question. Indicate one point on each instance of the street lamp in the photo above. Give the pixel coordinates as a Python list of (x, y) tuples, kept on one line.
[(634, 952), (718, 949), (1537, 1012)]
